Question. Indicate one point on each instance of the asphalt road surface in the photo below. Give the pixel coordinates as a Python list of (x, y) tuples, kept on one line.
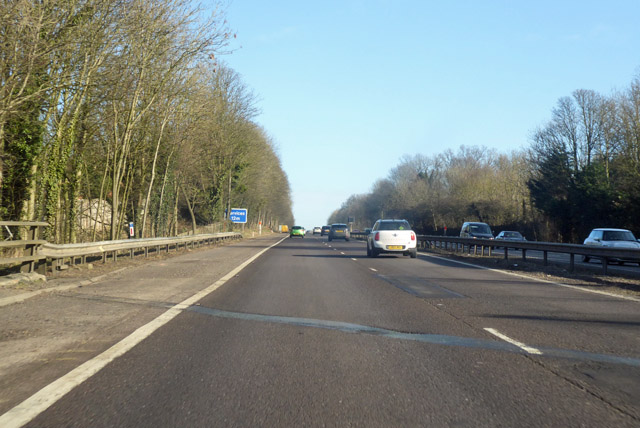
[(313, 333)]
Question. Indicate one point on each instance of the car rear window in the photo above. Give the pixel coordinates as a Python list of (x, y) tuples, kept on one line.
[(479, 228), (394, 225), (338, 226)]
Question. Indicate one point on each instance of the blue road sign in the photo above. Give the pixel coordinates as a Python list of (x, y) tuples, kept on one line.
[(238, 215)]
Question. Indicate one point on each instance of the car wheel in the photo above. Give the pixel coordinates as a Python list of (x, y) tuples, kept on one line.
[(329, 239), (346, 239), (368, 250), (586, 259), (375, 252), (413, 253)]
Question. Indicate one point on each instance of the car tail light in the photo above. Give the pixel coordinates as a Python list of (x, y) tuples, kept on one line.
[(377, 237), (413, 236)]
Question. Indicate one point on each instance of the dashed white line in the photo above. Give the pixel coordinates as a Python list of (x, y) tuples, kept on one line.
[(341, 253), (355, 260), (527, 349), (375, 270)]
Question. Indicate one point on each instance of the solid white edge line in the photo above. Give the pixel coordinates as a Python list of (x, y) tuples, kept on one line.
[(26, 411), (527, 349), (559, 284)]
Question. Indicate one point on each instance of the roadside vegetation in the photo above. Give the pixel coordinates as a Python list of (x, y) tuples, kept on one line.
[(114, 112), (581, 171)]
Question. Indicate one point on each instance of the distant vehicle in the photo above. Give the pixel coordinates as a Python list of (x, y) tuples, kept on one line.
[(297, 231), (325, 230), (510, 235), (317, 230), (392, 236), (475, 229), (283, 228), (612, 238), (339, 231)]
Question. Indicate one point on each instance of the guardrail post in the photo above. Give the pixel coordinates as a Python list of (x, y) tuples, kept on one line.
[(545, 257), (572, 259), (506, 253), (524, 255), (605, 264)]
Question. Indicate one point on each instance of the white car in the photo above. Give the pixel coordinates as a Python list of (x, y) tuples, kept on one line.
[(612, 238), (317, 230), (392, 236)]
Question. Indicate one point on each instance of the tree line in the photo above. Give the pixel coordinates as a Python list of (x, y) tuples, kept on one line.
[(580, 171), (118, 111)]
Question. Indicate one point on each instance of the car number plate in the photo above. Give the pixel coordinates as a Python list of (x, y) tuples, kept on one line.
[(339, 231), (395, 247)]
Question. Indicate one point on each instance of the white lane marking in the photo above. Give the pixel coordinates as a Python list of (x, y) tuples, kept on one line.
[(341, 253), (527, 349), (355, 260), (26, 411), (375, 270), (559, 284)]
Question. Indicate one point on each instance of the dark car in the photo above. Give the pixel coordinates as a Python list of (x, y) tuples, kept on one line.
[(476, 229), (510, 235), (339, 231), (325, 230)]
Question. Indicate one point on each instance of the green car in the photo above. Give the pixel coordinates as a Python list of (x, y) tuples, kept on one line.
[(297, 231)]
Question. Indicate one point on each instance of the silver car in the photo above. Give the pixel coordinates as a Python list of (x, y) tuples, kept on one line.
[(339, 231), (612, 238)]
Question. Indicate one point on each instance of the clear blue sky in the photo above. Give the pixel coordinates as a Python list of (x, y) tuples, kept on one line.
[(346, 88)]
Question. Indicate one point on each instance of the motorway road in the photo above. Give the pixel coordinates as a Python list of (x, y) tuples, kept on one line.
[(313, 333)]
